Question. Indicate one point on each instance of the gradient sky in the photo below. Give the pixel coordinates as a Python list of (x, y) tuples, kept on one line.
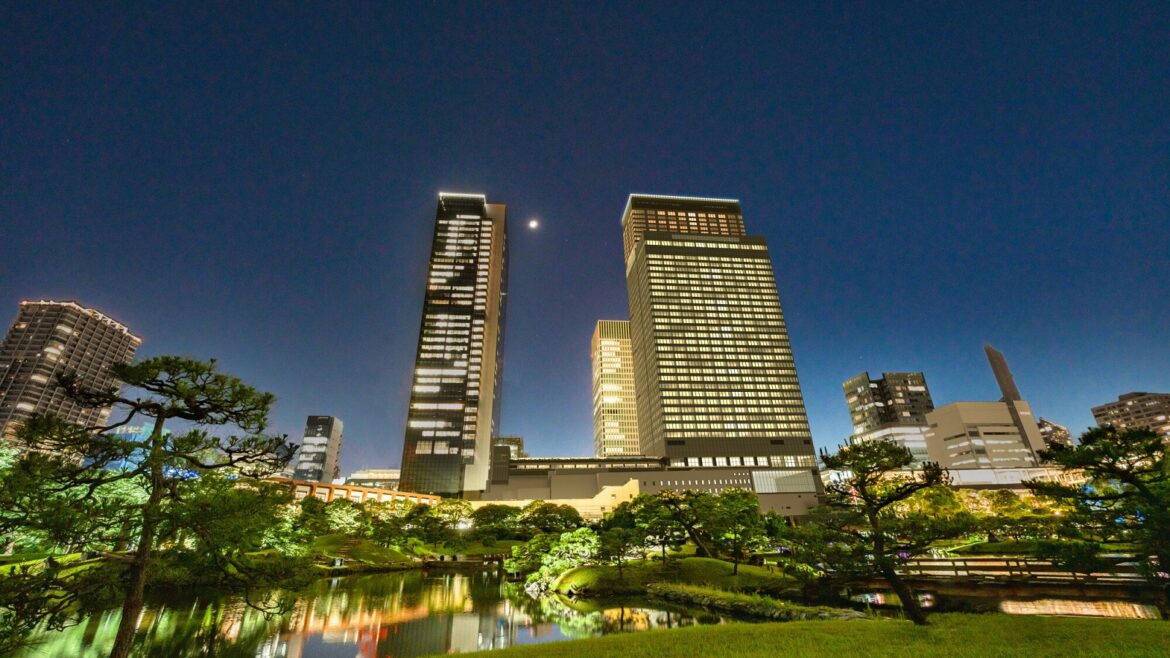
[(258, 185)]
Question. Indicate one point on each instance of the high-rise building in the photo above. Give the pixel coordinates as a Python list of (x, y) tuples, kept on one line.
[(615, 412), (455, 400), (1054, 434), (715, 380), (1137, 410), (49, 338), (318, 460), (892, 408)]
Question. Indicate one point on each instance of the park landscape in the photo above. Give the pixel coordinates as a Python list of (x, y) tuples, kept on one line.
[(97, 525)]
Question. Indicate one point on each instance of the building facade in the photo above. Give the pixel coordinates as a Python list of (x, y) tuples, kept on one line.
[(50, 338), (983, 435), (1137, 410), (318, 460), (377, 478), (615, 412), (898, 398), (1001, 434), (596, 486), (892, 408), (715, 380), (1054, 435), (455, 398), (515, 445)]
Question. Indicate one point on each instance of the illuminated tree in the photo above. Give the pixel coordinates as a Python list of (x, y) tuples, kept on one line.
[(69, 470), (860, 533), (1127, 488)]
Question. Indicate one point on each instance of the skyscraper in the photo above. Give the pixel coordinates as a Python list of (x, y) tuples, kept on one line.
[(318, 460), (892, 408), (455, 400), (898, 398), (50, 338), (615, 414), (715, 379)]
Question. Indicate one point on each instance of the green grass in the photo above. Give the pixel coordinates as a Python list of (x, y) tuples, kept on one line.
[(37, 562), (758, 606), (362, 550), (605, 581), (948, 636)]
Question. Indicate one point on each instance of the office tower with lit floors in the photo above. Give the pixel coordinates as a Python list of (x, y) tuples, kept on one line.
[(715, 379), (455, 398), (892, 408), (49, 338), (319, 458), (1137, 411), (615, 415)]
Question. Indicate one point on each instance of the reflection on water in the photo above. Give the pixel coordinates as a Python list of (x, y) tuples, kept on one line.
[(399, 614), (1124, 609), (1018, 606)]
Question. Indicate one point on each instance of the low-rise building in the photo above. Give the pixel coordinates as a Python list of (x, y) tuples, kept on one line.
[(984, 435), (596, 485), (378, 478)]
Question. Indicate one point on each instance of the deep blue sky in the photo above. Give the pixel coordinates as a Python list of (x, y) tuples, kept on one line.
[(258, 185)]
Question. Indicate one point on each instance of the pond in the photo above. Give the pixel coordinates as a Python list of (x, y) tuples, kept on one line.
[(401, 614)]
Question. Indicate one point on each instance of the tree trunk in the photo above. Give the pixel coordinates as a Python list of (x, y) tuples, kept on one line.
[(136, 578), (735, 565), (135, 589), (909, 602)]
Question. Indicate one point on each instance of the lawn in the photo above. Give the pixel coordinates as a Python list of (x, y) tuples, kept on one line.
[(363, 550), (605, 580), (948, 636)]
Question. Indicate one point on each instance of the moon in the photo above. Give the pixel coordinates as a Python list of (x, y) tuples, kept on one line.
[(533, 224)]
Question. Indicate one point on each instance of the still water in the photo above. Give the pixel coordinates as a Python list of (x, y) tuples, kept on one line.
[(397, 614)]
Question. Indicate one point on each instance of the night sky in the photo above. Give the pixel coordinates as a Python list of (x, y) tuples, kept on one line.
[(259, 185)]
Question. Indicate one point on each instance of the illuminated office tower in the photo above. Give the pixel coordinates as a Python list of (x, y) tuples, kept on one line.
[(1137, 411), (50, 338), (455, 399), (615, 414), (892, 408), (319, 458), (714, 374)]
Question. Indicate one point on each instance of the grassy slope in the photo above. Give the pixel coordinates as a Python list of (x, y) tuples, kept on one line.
[(604, 580), (363, 550), (950, 635)]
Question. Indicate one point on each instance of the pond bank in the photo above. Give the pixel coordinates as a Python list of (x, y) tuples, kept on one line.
[(747, 605), (948, 636)]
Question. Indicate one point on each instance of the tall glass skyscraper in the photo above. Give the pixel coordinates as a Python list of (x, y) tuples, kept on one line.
[(455, 400), (715, 378), (615, 413), (50, 338)]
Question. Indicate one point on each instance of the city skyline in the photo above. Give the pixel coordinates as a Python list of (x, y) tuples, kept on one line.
[(910, 219)]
